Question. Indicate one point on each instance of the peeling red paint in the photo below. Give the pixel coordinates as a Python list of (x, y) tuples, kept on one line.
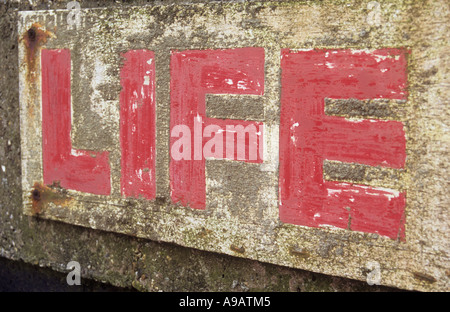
[(308, 136), (193, 75), (80, 170), (137, 124)]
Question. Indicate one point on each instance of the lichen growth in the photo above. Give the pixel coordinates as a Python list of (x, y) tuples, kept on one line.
[(149, 265)]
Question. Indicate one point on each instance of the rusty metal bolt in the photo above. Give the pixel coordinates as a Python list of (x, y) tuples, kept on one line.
[(36, 195), (31, 34)]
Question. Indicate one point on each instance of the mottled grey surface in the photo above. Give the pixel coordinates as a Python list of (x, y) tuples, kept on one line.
[(151, 265)]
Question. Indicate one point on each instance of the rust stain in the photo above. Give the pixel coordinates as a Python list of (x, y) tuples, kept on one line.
[(425, 277), (237, 249), (41, 195), (34, 38), (299, 252), (204, 232)]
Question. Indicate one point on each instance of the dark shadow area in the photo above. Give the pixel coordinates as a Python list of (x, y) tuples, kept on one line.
[(18, 276)]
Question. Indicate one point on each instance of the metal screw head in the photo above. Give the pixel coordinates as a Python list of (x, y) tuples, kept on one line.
[(36, 194), (31, 34)]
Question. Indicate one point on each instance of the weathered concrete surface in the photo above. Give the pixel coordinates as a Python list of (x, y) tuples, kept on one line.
[(421, 263)]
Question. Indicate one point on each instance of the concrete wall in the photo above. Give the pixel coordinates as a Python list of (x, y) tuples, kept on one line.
[(172, 254)]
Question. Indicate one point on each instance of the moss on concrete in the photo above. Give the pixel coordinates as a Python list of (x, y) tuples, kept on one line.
[(152, 266)]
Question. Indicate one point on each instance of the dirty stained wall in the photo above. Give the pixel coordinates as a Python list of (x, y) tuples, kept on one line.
[(148, 263)]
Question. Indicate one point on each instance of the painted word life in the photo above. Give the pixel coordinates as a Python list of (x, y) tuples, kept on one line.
[(307, 136)]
